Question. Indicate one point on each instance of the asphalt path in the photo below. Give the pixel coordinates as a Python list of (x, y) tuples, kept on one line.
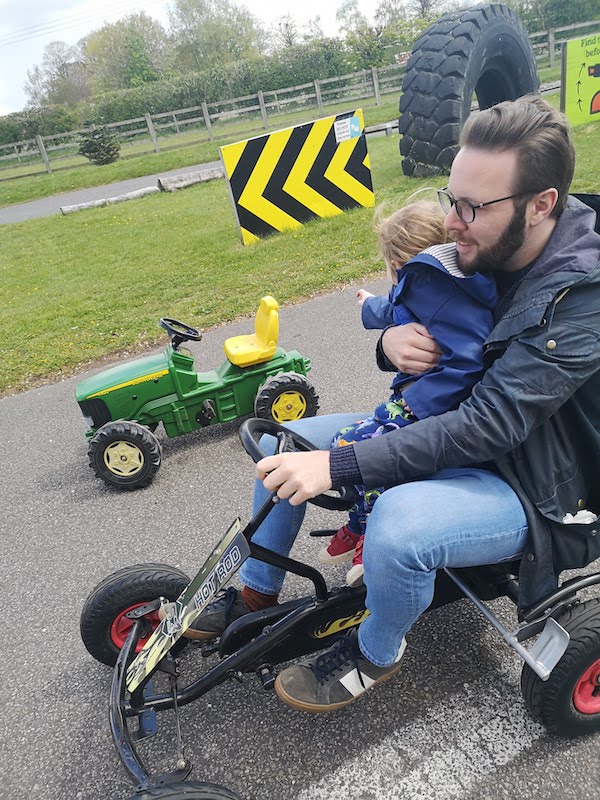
[(451, 726), (48, 206)]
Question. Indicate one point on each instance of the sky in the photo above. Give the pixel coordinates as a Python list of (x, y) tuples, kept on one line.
[(27, 26)]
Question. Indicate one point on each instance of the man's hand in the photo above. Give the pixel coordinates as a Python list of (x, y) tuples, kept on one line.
[(362, 295), (411, 348), (296, 476)]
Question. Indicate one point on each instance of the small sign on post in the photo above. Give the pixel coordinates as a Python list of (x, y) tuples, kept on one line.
[(580, 80)]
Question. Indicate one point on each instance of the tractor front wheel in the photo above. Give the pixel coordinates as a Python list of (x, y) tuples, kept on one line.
[(125, 454), (286, 397)]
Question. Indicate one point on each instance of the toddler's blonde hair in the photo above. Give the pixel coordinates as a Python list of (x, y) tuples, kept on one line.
[(407, 231)]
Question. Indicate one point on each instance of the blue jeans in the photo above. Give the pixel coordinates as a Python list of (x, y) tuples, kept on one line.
[(459, 517)]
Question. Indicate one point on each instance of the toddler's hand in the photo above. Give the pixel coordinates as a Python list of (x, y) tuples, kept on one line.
[(362, 295)]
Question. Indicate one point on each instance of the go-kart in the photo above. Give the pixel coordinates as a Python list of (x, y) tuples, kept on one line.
[(121, 627), (124, 405)]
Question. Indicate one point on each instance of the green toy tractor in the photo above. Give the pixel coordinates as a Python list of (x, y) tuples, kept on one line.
[(124, 405)]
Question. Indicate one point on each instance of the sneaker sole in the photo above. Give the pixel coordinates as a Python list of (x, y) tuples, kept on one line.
[(314, 708), (325, 558), (191, 633), (354, 577)]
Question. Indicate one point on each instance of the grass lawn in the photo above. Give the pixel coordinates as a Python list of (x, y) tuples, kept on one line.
[(74, 289)]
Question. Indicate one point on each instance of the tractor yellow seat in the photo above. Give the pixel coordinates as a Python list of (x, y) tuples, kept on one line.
[(254, 348)]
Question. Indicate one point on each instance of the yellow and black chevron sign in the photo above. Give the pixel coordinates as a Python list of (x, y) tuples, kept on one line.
[(282, 179)]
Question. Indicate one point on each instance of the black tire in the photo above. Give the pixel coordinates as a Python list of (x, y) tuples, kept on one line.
[(286, 397), (186, 790), (125, 455), (482, 50), (103, 625), (559, 702)]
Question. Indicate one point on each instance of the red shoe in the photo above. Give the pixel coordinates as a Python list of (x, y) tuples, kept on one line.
[(354, 576), (342, 547)]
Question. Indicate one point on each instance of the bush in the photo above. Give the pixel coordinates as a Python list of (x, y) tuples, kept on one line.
[(100, 146)]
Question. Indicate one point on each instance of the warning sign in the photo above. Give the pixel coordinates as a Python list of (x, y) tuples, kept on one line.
[(580, 81), (280, 180)]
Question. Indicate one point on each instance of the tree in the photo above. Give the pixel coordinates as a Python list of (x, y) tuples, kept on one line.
[(539, 15), (212, 33), (285, 32), (61, 79), (100, 146), (127, 53)]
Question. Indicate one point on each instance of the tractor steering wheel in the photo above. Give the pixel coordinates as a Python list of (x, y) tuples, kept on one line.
[(179, 332), (251, 431)]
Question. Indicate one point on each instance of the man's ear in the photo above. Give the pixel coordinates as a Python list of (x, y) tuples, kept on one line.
[(542, 205)]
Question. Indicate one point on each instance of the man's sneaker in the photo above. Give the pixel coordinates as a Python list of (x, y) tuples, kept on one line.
[(334, 679), (216, 617), (341, 547), (354, 576)]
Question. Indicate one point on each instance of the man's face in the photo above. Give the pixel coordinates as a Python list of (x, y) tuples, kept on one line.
[(492, 242)]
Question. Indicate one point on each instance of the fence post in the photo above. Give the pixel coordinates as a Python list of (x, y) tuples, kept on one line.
[(376, 86), (152, 132), (43, 153), (176, 122), (551, 46), (319, 97), (263, 108), (17, 153), (207, 121)]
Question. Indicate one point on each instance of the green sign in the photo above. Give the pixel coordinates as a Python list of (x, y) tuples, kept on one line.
[(580, 82)]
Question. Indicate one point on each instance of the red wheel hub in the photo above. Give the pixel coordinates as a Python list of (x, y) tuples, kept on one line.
[(586, 695), (121, 626)]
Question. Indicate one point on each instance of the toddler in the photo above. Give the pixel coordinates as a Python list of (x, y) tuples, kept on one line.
[(429, 288)]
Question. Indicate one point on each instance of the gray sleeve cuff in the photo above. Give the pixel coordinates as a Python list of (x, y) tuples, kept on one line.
[(343, 467)]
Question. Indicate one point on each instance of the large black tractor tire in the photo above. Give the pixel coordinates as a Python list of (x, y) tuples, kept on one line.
[(104, 625), (125, 455), (483, 51), (568, 703), (286, 397), (186, 790)]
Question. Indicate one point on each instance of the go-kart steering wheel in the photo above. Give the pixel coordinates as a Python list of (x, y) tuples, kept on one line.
[(251, 431), (179, 332)]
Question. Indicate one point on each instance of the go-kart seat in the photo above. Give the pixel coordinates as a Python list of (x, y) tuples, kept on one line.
[(243, 351)]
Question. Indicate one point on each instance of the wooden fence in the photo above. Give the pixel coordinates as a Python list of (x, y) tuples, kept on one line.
[(222, 120), (238, 117)]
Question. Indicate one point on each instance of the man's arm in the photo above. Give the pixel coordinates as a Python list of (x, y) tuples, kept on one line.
[(409, 348), (522, 389)]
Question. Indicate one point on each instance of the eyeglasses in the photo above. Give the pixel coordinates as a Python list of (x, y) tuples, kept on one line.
[(464, 209)]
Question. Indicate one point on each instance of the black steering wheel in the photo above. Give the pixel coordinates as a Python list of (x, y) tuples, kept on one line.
[(251, 431), (179, 332)]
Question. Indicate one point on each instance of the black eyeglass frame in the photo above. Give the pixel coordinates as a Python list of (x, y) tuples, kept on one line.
[(443, 196)]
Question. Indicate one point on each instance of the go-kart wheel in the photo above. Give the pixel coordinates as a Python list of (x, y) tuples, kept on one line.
[(286, 397), (125, 454), (568, 703), (251, 431), (104, 625), (186, 790)]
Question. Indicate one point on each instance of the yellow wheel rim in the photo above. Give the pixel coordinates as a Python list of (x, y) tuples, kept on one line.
[(123, 458), (288, 406)]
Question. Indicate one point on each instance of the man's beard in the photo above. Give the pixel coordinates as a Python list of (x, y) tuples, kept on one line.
[(494, 258)]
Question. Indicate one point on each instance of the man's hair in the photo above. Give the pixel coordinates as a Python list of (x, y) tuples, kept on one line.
[(540, 135), (409, 230)]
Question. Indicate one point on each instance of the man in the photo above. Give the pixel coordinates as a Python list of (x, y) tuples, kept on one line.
[(493, 479)]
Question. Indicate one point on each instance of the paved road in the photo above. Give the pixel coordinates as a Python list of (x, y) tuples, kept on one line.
[(451, 726), (52, 205)]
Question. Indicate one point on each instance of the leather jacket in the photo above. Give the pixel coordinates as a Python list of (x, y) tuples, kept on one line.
[(535, 415)]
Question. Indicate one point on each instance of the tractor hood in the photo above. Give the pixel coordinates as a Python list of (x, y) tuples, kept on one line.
[(142, 370)]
